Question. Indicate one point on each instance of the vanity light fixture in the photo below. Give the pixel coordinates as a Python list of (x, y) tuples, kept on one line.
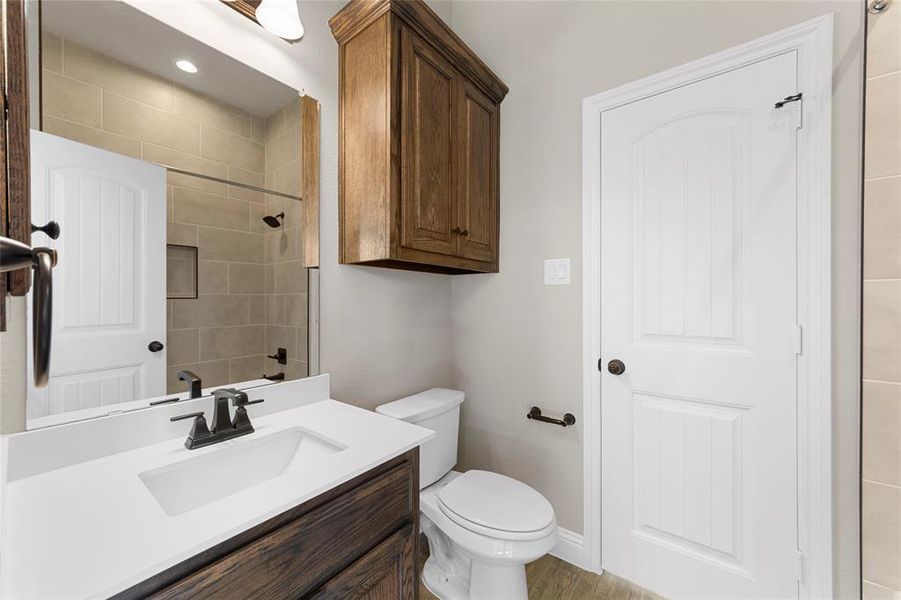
[(186, 65), (281, 17)]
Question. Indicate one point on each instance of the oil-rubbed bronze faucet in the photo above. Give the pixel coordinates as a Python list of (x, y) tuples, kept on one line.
[(224, 426)]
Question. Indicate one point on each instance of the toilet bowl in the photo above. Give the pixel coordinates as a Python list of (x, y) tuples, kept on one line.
[(482, 527)]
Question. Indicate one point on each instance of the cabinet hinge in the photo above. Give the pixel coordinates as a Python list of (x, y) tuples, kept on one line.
[(799, 339), (801, 566)]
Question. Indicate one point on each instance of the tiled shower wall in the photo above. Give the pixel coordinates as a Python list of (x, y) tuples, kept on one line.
[(286, 281), (224, 334), (881, 468)]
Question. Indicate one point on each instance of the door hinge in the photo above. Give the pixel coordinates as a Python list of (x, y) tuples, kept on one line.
[(801, 566), (794, 98), (799, 339)]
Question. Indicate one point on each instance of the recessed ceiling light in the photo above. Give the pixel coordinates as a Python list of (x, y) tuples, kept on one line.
[(186, 65)]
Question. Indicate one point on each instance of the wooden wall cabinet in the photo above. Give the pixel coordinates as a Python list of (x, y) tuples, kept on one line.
[(358, 540), (419, 139)]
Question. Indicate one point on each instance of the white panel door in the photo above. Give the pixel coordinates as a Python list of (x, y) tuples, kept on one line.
[(109, 285), (698, 299)]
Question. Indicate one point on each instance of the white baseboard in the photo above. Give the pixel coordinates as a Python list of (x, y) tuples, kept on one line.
[(570, 548)]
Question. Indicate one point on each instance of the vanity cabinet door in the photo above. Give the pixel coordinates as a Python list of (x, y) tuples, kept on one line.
[(477, 140), (428, 193), (387, 572)]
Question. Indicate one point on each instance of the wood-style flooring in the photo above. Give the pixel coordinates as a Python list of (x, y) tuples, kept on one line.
[(553, 579)]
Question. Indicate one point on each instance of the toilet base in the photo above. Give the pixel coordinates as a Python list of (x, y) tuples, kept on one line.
[(486, 582)]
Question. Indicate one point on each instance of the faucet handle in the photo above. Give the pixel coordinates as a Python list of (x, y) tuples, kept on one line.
[(193, 415), (200, 431)]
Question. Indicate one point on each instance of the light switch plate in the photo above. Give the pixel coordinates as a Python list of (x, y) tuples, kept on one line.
[(556, 271)]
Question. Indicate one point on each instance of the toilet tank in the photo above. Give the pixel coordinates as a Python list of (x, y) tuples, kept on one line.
[(437, 409)]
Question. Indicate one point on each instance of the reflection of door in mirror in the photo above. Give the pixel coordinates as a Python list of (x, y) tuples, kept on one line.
[(109, 293), (226, 276)]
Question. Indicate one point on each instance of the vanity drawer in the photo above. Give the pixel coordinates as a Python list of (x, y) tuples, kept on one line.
[(304, 554), (386, 571)]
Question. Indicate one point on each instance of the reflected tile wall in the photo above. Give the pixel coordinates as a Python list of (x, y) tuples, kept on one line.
[(881, 464)]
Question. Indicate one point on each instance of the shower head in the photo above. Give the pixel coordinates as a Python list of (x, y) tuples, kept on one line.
[(273, 220)]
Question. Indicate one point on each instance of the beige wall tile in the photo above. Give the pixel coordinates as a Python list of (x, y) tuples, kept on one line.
[(180, 233), (295, 370), (212, 277), (881, 528), (97, 69), (201, 208), (287, 179), (216, 244), (270, 279), (258, 309), (282, 150), (881, 330), (245, 278), (51, 52), (127, 117), (275, 309), (282, 246), (296, 310), (93, 137), (881, 427), (290, 278), (210, 311), (282, 337), (209, 111), (883, 48), (258, 129), (883, 126), (212, 373), (189, 162), (232, 149), (871, 591), (246, 368), (182, 346), (71, 100), (230, 342), (257, 212), (882, 228), (240, 175), (181, 274)]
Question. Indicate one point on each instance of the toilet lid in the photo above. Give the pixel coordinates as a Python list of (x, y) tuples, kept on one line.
[(497, 502)]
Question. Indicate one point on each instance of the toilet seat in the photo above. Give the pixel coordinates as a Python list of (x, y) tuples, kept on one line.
[(496, 506)]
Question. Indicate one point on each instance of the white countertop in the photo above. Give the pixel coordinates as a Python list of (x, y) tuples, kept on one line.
[(93, 529)]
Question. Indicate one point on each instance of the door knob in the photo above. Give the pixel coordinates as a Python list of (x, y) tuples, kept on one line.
[(155, 346), (616, 367)]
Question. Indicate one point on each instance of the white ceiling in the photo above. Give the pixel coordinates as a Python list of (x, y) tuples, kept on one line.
[(117, 30)]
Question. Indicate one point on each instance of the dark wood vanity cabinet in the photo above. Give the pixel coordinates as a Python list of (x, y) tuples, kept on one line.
[(419, 136), (355, 541)]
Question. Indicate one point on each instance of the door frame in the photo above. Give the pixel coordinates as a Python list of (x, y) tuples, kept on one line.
[(812, 41)]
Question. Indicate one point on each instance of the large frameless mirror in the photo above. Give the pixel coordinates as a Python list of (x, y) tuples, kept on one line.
[(168, 178)]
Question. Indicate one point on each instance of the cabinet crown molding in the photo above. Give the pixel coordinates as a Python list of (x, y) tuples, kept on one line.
[(357, 14)]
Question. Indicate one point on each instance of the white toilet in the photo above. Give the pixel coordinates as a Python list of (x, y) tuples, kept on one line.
[(482, 527)]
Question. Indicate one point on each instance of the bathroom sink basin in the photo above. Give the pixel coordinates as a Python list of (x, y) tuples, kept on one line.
[(234, 466)]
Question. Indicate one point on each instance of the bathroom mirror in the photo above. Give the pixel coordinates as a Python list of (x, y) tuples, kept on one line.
[(168, 178)]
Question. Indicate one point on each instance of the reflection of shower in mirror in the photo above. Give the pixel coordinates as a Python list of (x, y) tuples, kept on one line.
[(274, 221)]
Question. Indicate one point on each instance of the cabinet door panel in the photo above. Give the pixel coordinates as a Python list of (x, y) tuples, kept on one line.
[(387, 572), (427, 180), (478, 185)]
